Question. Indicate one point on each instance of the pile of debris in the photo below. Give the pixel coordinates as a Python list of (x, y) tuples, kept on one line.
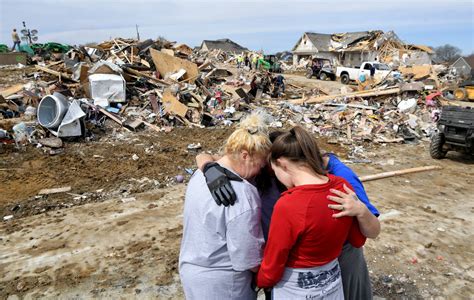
[(157, 84), (404, 113), (160, 84)]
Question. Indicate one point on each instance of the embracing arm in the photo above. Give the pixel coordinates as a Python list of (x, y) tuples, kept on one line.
[(203, 158), (350, 205)]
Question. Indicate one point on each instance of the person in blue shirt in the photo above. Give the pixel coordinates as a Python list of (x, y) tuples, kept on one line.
[(338, 168), (354, 272), (355, 275)]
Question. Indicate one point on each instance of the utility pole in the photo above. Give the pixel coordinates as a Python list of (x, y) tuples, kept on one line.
[(138, 33), (29, 36), (26, 33)]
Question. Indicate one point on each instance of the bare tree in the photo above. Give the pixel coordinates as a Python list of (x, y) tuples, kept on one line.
[(448, 53)]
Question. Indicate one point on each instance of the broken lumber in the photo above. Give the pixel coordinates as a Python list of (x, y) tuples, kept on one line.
[(111, 116), (54, 191), (55, 73), (418, 72), (154, 127), (361, 94), (295, 86), (11, 90), (140, 74), (398, 172), (352, 105)]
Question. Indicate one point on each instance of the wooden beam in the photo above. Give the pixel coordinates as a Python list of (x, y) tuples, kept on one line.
[(137, 73), (55, 190), (154, 127), (398, 172), (111, 116), (361, 94), (55, 73), (351, 105)]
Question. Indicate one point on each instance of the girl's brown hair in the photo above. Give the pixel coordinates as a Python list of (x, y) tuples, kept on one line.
[(297, 145)]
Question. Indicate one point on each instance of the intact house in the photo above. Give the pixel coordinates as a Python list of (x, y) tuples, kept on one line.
[(461, 67), (353, 48), (225, 45)]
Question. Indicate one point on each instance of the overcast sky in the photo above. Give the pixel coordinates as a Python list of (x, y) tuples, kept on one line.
[(259, 24)]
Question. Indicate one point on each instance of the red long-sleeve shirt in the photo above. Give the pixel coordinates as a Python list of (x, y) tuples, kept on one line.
[(303, 233)]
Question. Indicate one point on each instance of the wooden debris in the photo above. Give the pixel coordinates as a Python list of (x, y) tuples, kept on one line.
[(206, 64), (11, 90), (154, 127), (55, 73), (168, 51), (141, 74), (361, 94), (352, 105), (398, 172), (133, 124), (172, 105), (386, 140), (418, 72), (55, 190), (165, 64)]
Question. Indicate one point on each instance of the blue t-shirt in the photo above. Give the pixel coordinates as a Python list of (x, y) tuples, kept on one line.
[(338, 168)]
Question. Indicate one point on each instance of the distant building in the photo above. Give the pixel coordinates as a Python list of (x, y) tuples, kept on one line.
[(353, 48), (225, 45), (461, 67)]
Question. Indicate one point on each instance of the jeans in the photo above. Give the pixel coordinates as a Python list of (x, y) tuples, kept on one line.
[(16, 43)]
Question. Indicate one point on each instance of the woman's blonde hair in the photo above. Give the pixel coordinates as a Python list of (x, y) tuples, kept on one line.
[(251, 136)]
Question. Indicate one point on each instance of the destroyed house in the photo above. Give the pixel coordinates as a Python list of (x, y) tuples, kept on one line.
[(353, 48), (462, 67), (225, 45), (335, 47)]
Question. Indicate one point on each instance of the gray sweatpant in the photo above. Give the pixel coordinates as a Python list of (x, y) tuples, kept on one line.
[(355, 275)]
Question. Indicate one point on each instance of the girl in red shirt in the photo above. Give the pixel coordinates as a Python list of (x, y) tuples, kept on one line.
[(300, 258)]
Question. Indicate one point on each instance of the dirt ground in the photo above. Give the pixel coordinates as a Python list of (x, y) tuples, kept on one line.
[(116, 234)]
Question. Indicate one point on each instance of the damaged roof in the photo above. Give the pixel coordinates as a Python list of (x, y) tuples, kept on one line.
[(348, 38), (348, 41), (321, 41), (225, 45)]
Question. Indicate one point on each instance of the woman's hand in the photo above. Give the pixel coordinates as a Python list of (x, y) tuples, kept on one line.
[(349, 203), (351, 206)]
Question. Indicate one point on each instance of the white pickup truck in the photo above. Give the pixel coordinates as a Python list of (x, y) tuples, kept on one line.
[(381, 71)]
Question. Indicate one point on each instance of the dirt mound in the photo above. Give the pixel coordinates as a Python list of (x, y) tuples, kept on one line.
[(97, 169)]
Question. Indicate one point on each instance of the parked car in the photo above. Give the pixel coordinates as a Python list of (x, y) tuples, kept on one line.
[(321, 69), (347, 74)]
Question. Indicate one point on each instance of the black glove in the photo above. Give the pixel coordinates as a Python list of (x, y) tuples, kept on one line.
[(218, 180)]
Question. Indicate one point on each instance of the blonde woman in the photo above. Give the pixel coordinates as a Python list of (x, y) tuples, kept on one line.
[(222, 246)]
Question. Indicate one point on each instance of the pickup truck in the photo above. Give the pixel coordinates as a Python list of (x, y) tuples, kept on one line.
[(347, 74)]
